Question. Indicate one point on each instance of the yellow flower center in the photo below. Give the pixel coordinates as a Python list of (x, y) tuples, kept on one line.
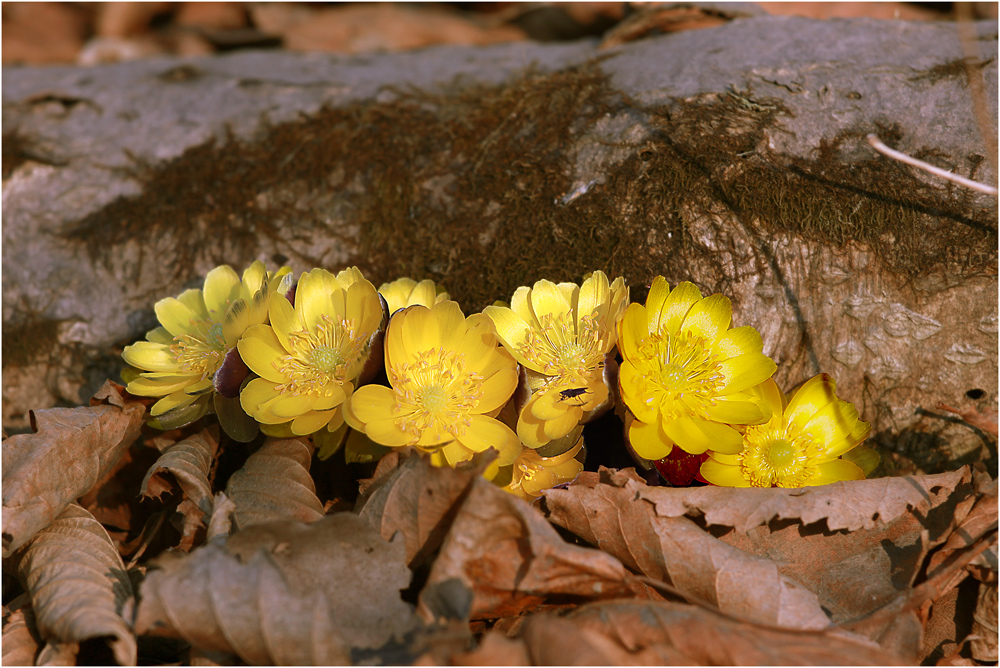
[(437, 394), (203, 352), (772, 457), (328, 356), (682, 373), (558, 349)]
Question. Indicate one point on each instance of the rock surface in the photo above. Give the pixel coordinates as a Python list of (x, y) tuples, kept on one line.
[(731, 156)]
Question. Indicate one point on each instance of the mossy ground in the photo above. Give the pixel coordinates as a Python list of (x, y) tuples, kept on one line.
[(467, 188)]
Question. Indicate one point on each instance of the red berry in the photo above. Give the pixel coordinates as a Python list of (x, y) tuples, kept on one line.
[(679, 468)]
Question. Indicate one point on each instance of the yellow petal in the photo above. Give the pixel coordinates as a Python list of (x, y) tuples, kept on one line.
[(837, 427), (283, 430), (159, 387), (648, 440), (363, 308), (318, 294), (424, 293), (291, 406), (479, 343), (642, 405), (311, 422), (235, 322), (736, 342), (262, 352), (511, 330), (632, 331), (658, 293), (257, 392), (455, 453), (160, 335), (531, 430), (745, 371), (545, 405), (200, 387), (195, 301), (176, 316), (548, 299), (497, 390), (397, 294), (520, 303), (486, 432), (338, 395), (375, 402), (676, 306), (736, 412), (386, 432), (151, 357), (450, 324), (172, 401), (283, 319), (594, 295), (835, 471), (222, 288), (724, 475), (694, 435), (563, 424), (816, 393), (419, 330), (709, 317)]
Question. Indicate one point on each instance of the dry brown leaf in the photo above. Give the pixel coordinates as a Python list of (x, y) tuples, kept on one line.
[(417, 499), (71, 449), (652, 20), (21, 642), (189, 463), (496, 649), (987, 421), (973, 526), (274, 484), (368, 28), (505, 552), (615, 518), (113, 501), (665, 633), (984, 625), (221, 522), (77, 583), (847, 505), (282, 593)]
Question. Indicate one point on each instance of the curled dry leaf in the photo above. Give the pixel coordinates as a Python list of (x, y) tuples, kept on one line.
[(274, 484), (77, 583), (679, 552), (71, 449), (981, 519), (511, 559), (850, 505), (189, 462), (283, 593), (419, 500), (984, 625), (20, 633), (665, 633)]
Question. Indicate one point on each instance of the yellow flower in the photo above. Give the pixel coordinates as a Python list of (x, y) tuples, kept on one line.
[(686, 377), (407, 292), (532, 473), (561, 334), (309, 357), (799, 446), (179, 360), (449, 380)]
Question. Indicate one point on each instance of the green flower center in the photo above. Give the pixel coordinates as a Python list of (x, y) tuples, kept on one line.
[(682, 373), (203, 352), (772, 457), (436, 393), (325, 358)]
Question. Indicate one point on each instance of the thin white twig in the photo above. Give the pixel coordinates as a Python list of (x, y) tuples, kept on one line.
[(920, 164)]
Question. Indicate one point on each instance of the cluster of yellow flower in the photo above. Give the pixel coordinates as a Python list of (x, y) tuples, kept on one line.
[(294, 359)]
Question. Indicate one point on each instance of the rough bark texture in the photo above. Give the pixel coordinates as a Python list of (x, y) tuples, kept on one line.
[(731, 156)]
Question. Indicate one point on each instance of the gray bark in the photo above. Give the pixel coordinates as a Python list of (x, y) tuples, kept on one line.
[(787, 99)]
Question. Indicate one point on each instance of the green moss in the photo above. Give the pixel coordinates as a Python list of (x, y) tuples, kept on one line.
[(468, 187)]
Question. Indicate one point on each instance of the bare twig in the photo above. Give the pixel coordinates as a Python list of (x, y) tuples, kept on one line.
[(943, 173)]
